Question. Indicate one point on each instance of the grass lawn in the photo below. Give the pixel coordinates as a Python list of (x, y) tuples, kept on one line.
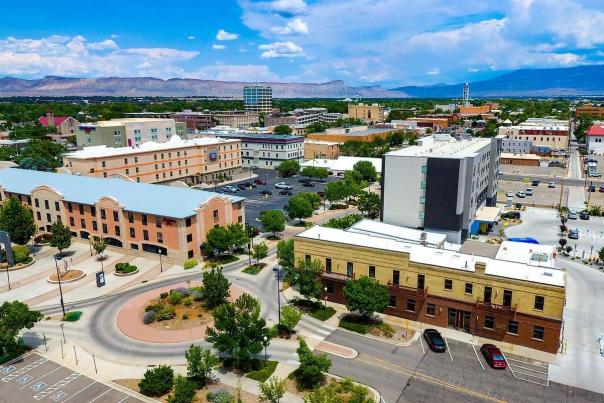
[(360, 325), (254, 269), (262, 370), (224, 259), (314, 309)]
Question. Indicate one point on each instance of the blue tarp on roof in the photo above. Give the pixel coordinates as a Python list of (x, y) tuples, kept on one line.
[(161, 200)]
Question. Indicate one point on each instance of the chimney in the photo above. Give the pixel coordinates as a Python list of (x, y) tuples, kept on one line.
[(50, 119)]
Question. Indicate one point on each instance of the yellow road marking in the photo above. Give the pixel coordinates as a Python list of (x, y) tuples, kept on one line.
[(426, 378)]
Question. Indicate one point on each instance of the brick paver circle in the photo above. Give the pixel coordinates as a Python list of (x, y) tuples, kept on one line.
[(130, 319)]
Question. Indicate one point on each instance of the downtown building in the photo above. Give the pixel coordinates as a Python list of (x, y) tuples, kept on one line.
[(258, 98), (544, 134), (138, 217), (128, 132)]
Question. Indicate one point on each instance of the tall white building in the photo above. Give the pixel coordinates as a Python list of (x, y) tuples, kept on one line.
[(257, 98)]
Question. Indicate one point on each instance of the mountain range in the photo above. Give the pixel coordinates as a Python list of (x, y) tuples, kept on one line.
[(571, 81)]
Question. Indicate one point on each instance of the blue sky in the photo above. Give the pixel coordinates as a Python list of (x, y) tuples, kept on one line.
[(363, 42)]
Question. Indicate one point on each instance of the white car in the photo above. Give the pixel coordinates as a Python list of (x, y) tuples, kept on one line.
[(529, 191), (551, 185), (509, 194), (283, 185), (521, 194), (230, 189)]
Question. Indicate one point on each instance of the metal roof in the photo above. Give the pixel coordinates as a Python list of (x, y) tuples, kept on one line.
[(161, 200)]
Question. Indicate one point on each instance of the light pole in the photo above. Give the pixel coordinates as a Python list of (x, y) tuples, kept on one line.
[(161, 267), (265, 344), (325, 296), (7, 275), (60, 288), (278, 296), (90, 245), (33, 246)]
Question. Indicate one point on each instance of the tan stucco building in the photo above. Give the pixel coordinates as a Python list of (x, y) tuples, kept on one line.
[(373, 113), (314, 149)]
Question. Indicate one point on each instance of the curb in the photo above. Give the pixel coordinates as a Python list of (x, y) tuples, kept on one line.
[(377, 396), (125, 274), (15, 268), (66, 281), (394, 343), (354, 354)]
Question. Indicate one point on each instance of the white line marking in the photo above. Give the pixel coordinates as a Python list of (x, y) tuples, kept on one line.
[(80, 391), (448, 349), (478, 358), (42, 376), (422, 345), (123, 399), (101, 395)]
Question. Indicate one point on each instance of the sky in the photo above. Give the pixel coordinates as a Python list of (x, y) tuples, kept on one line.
[(363, 42)]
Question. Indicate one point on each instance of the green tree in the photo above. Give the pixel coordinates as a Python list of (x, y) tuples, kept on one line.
[(309, 172), (299, 206), (344, 222), (370, 204), (308, 278), (41, 155), (285, 254), (14, 317), (288, 168), (311, 372), (238, 236), (272, 390), (367, 171), (21, 253), (200, 364), (216, 287), (60, 236), (282, 129), (157, 381), (260, 251), (18, 220), (99, 245), (313, 198), (601, 254), (366, 296), (239, 330), (219, 240), (184, 391), (336, 191), (272, 221), (290, 317)]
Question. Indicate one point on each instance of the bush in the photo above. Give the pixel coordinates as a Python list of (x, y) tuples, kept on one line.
[(353, 324), (124, 268), (315, 309), (166, 313), (188, 301), (175, 297), (221, 396), (184, 391), (21, 253), (164, 295), (189, 264), (149, 317), (264, 371), (197, 296), (120, 266), (72, 316), (157, 381), (154, 307), (185, 316)]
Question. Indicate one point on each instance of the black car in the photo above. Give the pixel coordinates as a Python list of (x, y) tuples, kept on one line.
[(266, 192), (535, 182), (302, 180), (584, 215), (435, 341), (249, 184), (308, 184), (285, 192), (601, 190), (241, 186)]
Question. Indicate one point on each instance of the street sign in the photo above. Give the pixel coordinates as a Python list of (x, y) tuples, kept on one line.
[(100, 279)]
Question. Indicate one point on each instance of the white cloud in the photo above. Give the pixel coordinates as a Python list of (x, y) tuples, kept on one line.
[(281, 49), (295, 26), (289, 6), (114, 36), (191, 37), (433, 72), (218, 47), (236, 72), (223, 35), (102, 45)]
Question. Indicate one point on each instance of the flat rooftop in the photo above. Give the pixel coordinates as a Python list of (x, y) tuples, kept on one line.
[(447, 147), (439, 257), (124, 121), (403, 234), (343, 163), (160, 200)]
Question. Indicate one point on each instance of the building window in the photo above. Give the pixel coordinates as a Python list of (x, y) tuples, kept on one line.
[(46, 205), (188, 222), (469, 288), (538, 333), (328, 265), (392, 301), (422, 200), (215, 215), (372, 271), (189, 237), (411, 305), (117, 230), (349, 269), (103, 215), (132, 233), (94, 226), (160, 237), (48, 218), (424, 169), (39, 216), (115, 216), (37, 202), (145, 235), (448, 284), (513, 327), (144, 219), (57, 207), (488, 292), (421, 281), (539, 303), (130, 217), (396, 276), (93, 211), (71, 221), (307, 258), (423, 184), (489, 322), (81, 208), (507, 298), (430, 309), (158, 222), (105, 228)]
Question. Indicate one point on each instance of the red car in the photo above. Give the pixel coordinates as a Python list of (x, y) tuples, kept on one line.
[(258, 181), (493, 356)]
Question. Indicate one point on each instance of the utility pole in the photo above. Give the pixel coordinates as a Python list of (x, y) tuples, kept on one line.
[(561, 193), (60, 288), (278, 295)]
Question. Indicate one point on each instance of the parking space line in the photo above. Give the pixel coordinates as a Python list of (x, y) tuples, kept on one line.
[(57, 385), (477, 357), (80, 391), (422, 345), (48, 373), (507, 362), (448, 348), (123, 399), (101, 395), (25, 369)]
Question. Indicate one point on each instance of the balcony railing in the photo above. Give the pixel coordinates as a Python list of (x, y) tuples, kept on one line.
[(337, 276), (496, 308), (397, 289)]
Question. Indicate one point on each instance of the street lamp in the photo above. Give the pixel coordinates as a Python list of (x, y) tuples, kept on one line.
[(161, 267), (325, 296), (278, 296), (59, 279), (265, 344), (33, 246)]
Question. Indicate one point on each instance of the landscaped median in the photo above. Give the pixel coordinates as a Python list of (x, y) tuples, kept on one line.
[(314, 309)]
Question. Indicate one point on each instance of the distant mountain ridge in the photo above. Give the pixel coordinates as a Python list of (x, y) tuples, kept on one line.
[(568, 81), (179, 87)]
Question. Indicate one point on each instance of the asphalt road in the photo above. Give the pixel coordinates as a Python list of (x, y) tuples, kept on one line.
[(544, 180)]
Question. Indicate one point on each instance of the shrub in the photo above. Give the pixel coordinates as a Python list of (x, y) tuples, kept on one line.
[(184, 391), (221, 396), (183, 290), (149, 317), (265, 370), (154, 307), (21, 253), (166, 313), (175, 297), (185, 316), (164, 295), (125, 268), (189, 264), (351, 323), (197, 296), (72, 316), (188, 301), (157, 381), (120, 266)]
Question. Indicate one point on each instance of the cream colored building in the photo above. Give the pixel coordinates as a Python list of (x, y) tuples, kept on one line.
[(129, 132), (200, 160), (238, 119), (543, 132), (373, 113)]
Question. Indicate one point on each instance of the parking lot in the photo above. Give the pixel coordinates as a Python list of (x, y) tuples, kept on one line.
[(34, 378), (542, 194)]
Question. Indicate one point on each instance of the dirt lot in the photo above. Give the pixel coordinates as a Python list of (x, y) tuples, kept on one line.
[(542, 196), (531, 170)]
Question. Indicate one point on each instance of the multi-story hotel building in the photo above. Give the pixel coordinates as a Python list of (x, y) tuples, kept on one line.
[(238, 119), (590, 110), (513, 297), (551, 133), (168, 220), (258, 98), (373, 113), (128, 132), (192, 161), (301, 117)]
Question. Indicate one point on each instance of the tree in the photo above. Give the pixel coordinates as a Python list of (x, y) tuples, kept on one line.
[(239, 330), (99, 245), (282, 129), (200, 364), (309, 172), (562, 242), (272, 390), (41, 155), (184, 391), (312, 197), (308, 278), (601, 254), (157, 381), (216, 287), (14, 317), (272, 221), (219, 240), (285, 254), (260, 251), (366, 296), (367, 171), (60, 236), (288, 168), (18, 220), (344, 222), (290, 317), (238, 236), (299, 206), (336, 191), (311, 371), (370, 204)]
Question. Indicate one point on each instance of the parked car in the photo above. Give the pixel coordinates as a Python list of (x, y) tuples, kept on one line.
[(601, 190), (241, 186), (493, 356), (248, 184), (435, 340), (535, 182), (230, 189), (584, 215), (551, 185), (283, 185), (321, 194), (285, 192), (572, 215), (259, 181), (308, 184), (521, 194), (266, 192), (509, 194), (511, 215), (573, 234), (529, 191), (302, 180)]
